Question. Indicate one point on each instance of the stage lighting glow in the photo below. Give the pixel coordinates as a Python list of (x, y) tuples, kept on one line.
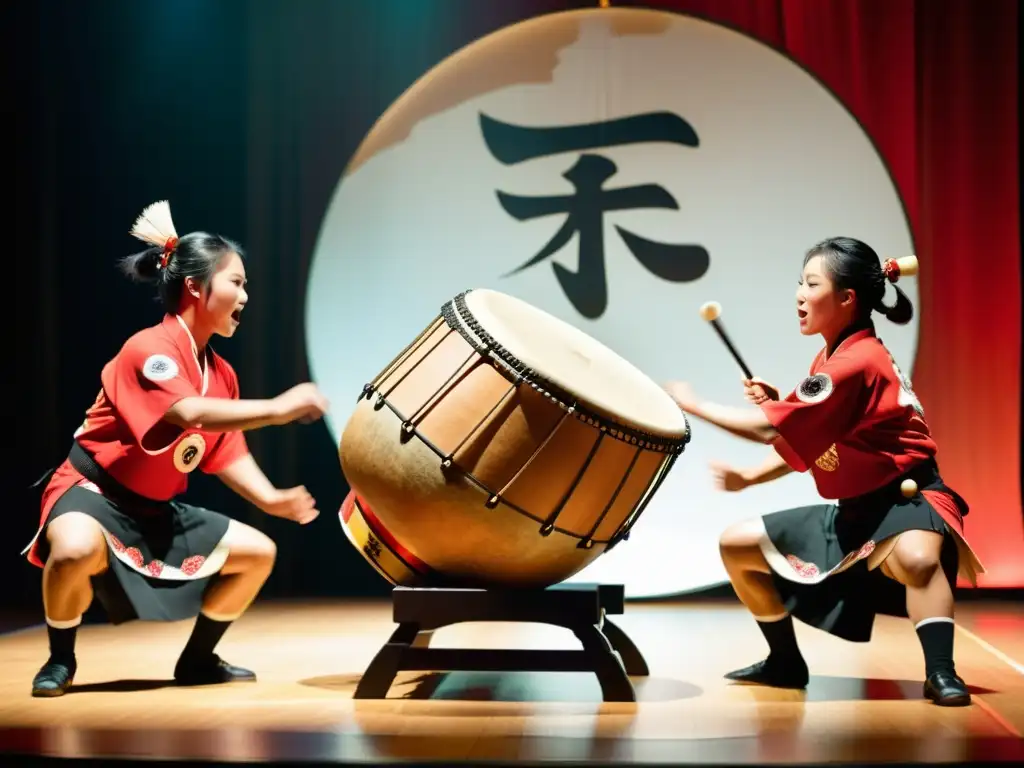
[(617, 168)]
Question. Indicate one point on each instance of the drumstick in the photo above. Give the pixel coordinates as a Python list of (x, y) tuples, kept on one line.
[(711, 311)]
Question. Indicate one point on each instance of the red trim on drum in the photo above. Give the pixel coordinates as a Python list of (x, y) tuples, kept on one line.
[(347, 506), (385, 535)]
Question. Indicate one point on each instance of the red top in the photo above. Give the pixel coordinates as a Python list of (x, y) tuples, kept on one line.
[(124, 429), (855, 421)]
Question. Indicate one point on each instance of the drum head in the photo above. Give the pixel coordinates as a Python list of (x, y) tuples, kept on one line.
[(577, 363)]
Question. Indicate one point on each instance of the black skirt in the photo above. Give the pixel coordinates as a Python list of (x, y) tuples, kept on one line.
[(824, 557), (161, 555)]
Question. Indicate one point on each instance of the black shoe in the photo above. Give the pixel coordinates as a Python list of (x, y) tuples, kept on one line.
[(774, 673), (947, 689), (54, 678), (210, 670)]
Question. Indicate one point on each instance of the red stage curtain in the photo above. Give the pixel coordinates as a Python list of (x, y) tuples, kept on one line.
[(934, 83)]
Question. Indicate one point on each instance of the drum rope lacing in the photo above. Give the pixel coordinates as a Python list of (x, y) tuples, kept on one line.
[(459, 317)]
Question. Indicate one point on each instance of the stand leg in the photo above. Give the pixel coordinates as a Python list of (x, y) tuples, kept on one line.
[(381, 673), (631, 657), (615, 684), (423, 638), (607, 651)]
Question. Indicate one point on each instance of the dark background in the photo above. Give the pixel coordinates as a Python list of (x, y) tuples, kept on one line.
[(244, 114)]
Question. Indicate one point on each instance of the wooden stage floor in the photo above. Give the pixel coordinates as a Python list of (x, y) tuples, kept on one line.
[(864, 702)]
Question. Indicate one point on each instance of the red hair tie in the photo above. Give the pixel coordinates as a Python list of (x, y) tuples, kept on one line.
[(891, 269), (169, 246)]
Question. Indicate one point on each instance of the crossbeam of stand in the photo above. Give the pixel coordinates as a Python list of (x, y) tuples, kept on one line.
[(583, 609)]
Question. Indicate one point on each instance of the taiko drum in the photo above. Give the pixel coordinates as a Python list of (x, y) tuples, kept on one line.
[(502, 448)]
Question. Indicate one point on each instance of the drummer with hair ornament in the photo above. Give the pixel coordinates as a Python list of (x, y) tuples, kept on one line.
[(893, 543), (111, 523)]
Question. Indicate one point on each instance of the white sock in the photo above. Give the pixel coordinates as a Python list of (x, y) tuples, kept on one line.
[(221, 616), (933, 620), (769, 619), (68, 624)]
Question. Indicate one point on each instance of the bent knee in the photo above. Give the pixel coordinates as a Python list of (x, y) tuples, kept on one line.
[(915, 567), (741, 537), (740, 547), (76, 539), (266, 550), (916, 557), (251, 548)]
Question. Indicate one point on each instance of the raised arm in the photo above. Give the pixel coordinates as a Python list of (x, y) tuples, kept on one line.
[(147, 386), (225, 414), (749, 423), (302, 402)]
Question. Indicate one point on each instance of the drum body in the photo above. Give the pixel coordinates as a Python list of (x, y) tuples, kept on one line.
[(502, 448)]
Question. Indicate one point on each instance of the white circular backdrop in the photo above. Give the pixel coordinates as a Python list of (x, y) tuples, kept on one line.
[(778, 165)]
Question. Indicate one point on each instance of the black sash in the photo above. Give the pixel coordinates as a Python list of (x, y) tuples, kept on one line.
[(86, 465), (926, 475)]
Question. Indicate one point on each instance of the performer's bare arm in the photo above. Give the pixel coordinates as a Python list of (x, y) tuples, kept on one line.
[(245, 478), (223, 414), (728, 478), (302, 402), (772, 468), (748, 423)]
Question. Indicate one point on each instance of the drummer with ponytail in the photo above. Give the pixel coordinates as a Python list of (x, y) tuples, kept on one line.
[(168, 404), (894, 542), (854, 266), (170, 260)]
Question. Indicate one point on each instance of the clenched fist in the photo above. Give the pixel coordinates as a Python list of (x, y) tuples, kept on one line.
[(292, 504), (303, 402), (758, 390)]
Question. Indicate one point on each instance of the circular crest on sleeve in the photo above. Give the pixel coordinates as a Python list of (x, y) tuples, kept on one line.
[(159, 368), (815, 388), (189, 452)]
